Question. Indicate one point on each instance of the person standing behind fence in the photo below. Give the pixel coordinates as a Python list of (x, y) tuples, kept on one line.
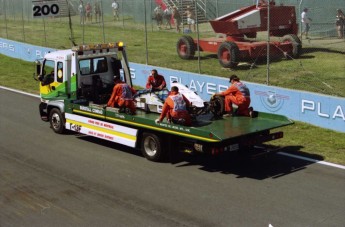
[(158, 15), (167, 17), (81, 10), (97, 9), (177, 19), (88, 10), (305, 22), (340, 23), (190, 18), (115, 7)]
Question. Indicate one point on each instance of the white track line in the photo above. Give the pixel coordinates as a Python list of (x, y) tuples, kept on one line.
[(312, 160), (281, 153), (20, 92)]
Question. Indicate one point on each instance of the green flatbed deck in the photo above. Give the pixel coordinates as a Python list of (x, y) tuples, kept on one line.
[(205, 128)]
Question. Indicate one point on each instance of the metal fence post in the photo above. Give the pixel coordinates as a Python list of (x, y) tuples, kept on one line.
[(147, 54), (23, 21), (268, 43), (102, 12)]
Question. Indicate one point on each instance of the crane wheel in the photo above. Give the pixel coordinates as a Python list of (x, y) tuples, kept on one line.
[(185, 47), (228, 54)]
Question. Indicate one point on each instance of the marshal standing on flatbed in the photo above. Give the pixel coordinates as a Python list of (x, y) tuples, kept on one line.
[(80, 83)]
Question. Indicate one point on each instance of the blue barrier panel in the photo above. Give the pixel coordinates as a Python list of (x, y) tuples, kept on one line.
[(320, 110), (22, 51)]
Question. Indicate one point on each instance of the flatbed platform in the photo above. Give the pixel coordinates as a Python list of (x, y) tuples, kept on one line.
[(204, 127)]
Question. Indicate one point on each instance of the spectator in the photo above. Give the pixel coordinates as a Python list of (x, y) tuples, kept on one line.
[(177, 19), (190, 18), (340, 23), (167, 17), (98, 12), (155, 82), (305, 22), (122, 96), (88, 10), (158, 15), (175, 109), (115, 7), (81, 10), (237, 94)]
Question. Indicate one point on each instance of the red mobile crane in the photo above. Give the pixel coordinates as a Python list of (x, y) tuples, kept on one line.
[(238, 26)]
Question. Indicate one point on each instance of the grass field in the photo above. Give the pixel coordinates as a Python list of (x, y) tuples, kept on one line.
[(300, 138), (321, 67)]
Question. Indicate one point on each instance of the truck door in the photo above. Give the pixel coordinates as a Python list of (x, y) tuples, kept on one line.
[(53, 82)]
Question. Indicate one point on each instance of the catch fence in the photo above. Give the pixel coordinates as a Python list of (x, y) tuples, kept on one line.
[(320, 68)]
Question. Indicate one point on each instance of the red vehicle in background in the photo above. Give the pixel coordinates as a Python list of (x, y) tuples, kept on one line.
[(239, 27)]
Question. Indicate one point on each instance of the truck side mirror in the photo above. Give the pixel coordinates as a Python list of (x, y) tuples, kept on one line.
[(37, 74)]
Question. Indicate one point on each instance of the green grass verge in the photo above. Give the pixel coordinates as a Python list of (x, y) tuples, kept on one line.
[(300, 138), (321, 67)]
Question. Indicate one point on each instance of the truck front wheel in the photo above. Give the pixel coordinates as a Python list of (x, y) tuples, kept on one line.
[(151, 147), (57, 121)]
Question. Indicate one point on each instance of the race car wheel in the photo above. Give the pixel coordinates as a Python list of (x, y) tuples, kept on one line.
[(151, 147), (185, 47), (217, 106), (228, 54), (296, 45), (57, 121)]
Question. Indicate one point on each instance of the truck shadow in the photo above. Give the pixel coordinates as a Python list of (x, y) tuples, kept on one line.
[(243, 166)]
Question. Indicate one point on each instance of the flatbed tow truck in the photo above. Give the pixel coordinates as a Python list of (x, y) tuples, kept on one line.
[(75, 92)]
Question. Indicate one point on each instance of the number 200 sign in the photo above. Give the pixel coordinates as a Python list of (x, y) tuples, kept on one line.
[(45, 8)]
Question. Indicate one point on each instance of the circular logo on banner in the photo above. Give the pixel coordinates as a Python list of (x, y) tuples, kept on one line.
[(271, 101)]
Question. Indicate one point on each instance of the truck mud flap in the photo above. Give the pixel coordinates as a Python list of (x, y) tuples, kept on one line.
[(43, 111)]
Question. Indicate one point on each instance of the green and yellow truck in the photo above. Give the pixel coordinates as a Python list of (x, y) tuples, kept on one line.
[(75, 86)]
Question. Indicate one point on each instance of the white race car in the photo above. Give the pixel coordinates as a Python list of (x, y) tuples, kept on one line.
[(153, 101)]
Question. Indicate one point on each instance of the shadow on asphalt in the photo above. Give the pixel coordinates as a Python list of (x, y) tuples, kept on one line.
[(243, 166)]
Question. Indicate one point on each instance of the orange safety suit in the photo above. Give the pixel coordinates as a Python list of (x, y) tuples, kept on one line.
[(175, 108), (122, 96), (156, 83), (239, 94)]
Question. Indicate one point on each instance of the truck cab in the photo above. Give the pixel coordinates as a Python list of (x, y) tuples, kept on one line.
[(82, 74)]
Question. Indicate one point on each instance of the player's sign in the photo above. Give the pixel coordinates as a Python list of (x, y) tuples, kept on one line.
[(52, 8)]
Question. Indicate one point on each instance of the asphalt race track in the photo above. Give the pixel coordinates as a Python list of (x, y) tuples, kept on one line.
[(48, 179)]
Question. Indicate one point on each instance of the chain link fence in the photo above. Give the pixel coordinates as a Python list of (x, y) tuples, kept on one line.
[(320, 67)]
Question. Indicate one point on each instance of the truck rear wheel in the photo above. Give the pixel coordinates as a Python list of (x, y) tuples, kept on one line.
[(151, 147), (57, 121), (185, 47), (228, 54), (296, 44)]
